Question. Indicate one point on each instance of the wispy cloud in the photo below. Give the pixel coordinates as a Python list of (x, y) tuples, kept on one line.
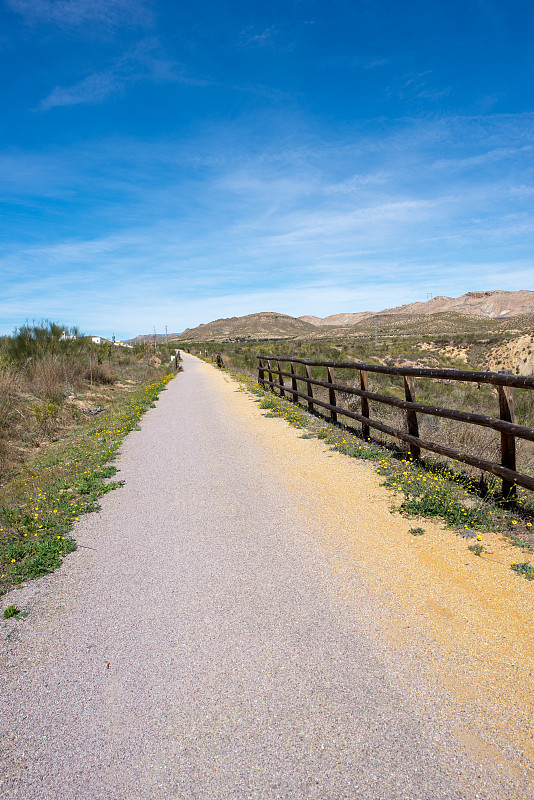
[(357, 182), (383, 284), (357, 62), (141, 62), (92, 89), (305, 174), (484, 158), (206, 227), (79, 14), (251, 37)]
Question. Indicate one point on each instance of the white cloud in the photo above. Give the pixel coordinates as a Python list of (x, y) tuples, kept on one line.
[(358, 182), (484, 158), (79, 14), (233, 221), (134, 306), (93, 89), (252, 37), (141, 62)]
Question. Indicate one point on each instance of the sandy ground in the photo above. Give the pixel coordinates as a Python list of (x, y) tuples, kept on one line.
[(253, 621), (467, 620)]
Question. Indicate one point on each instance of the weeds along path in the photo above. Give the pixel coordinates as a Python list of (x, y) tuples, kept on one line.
[(246, 619)]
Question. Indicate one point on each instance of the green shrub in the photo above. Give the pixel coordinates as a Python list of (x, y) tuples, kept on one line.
[(35, 342), (417, 531), (11, 611), (46, 416), (477, 549), (525, 569)]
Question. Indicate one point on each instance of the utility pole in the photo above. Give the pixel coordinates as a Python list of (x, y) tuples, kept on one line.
[(166, 337), (376, 332)]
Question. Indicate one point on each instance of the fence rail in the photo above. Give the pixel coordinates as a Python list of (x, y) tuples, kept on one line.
[(504, 424)]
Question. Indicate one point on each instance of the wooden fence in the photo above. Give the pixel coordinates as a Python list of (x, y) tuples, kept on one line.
[(504, 424)]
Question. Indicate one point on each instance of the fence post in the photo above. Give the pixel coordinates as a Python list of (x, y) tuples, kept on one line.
[(506, 409), (364, 385), (270, 373), (332, 394), (280, 378), (309, 390), (411, 416), (261, 375), (294, 386)]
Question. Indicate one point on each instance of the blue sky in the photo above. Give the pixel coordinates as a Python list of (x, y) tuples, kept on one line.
[(169, 163)]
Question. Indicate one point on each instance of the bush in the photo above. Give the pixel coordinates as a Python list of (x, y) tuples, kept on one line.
[(525, 569), (53, 377), (38, 341), (10, 414), (101, 374), (8, 398), (46, 416)]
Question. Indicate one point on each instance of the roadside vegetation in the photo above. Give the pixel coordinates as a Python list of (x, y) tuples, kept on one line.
[(468, 351), (65, 406)]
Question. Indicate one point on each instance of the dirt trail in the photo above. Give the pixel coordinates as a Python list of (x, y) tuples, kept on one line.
[(253, 622)]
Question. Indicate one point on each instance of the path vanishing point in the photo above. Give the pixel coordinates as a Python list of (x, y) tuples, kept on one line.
[(252, 621)]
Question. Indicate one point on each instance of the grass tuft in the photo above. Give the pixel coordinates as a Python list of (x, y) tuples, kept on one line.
[(417, 531), (477, 549), (11, 612), (525, 569)]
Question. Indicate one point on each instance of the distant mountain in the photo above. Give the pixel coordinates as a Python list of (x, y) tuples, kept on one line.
[(149, 337), (492, 305), (341, 319), (266, 325)]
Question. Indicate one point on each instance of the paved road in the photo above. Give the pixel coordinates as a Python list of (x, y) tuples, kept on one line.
[(203, 649)]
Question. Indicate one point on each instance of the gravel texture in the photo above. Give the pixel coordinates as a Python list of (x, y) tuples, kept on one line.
[(207, 647)]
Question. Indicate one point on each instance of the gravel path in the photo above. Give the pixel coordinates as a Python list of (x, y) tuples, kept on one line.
[(206, 649)]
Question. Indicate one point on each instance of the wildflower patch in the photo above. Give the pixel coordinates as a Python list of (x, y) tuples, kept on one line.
[(421, 488), (39, 508)]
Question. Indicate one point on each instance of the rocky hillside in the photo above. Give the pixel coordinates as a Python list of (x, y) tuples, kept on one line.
[(477, 312), (341, 319), (517, 354), (492, 305), (266, 325), (143, 338)]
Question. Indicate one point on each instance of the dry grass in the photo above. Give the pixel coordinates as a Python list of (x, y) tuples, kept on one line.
[(10, 416), (40, 399), (100, 374), (52, 378)]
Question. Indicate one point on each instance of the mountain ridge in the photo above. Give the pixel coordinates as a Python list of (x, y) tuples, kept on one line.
[(489, 305)]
